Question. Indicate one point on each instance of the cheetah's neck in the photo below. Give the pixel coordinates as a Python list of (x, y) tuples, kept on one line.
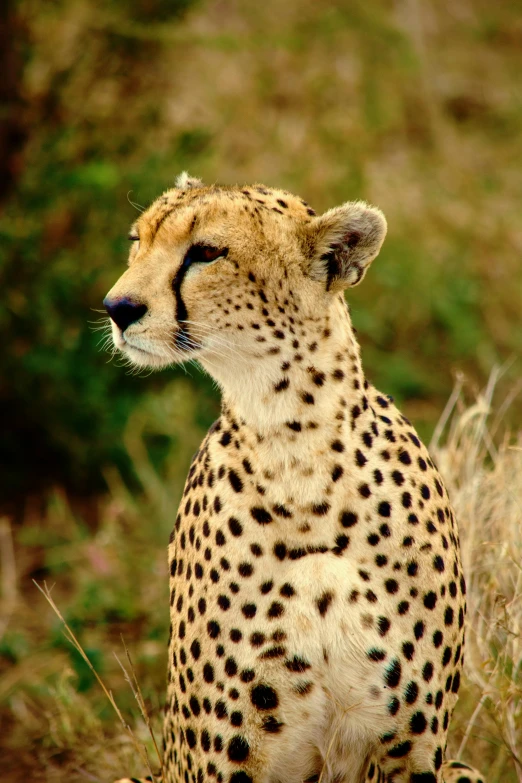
[(295, 412)]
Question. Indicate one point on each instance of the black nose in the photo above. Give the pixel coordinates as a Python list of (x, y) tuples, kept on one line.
[(124, 312)]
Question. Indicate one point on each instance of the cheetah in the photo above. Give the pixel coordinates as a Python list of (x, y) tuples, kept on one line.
[(317, 599)]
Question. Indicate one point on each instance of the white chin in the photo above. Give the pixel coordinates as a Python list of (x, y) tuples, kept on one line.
[(142, 358)]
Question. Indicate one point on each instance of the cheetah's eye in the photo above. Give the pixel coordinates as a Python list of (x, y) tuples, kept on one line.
[(133, 238), (204, 254)]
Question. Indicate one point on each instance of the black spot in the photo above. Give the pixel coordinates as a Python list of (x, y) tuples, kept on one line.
[(275, 610), (297, 664), (283, 384), (245, 569), (213, 629), (337, 472), (280, 550), (239, 777), (195, 649), (221, 709), (430, 599), (411, 693), (266, 587), (348, 518), (261, 515), (191, 738), (337, 446), (324, 602), (225, 438), (273, 652), (360, 459), (321, 509), (364, 490), (287, 590), (456, 682), (238, 749), (230, 667), (418, 630), (249, 610), (208, 673), (303, 688), (438, 563), (408, 650), (341, 543), (383, 625), (392, 675), (384, 509), (418, 723), (399, 751), (235, 526), (205, 740), (406, 500), (412, 568), (392, 586), (393, 706), (263, 697), (376, 655), (427, 672), (271, 725), (235, 481)]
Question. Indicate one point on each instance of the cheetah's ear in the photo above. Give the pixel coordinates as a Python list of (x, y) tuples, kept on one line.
[(343, 242), (184, 181)]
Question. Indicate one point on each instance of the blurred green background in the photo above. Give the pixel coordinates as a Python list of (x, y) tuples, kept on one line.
[(416, 107)]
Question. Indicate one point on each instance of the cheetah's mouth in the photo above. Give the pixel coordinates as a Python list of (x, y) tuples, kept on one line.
[(155, 353)]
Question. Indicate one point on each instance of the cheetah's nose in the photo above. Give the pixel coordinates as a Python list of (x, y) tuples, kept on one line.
[(124, 312)]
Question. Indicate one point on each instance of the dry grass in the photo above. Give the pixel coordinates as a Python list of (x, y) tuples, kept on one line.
[(484, 477), (56, 725), (131, 680)]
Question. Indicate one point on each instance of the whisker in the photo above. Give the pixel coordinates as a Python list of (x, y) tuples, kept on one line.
[(134, 204), (217, 337), (227, 349)]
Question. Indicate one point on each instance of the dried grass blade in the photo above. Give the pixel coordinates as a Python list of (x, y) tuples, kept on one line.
[(69, 635)]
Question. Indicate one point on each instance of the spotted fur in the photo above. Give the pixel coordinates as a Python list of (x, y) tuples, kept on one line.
[(317, 598)]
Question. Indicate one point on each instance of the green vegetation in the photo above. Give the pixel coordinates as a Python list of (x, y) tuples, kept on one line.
[(414, 107)]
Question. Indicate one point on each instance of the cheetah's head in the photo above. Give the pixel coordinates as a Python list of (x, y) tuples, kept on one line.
[(222, 274)]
